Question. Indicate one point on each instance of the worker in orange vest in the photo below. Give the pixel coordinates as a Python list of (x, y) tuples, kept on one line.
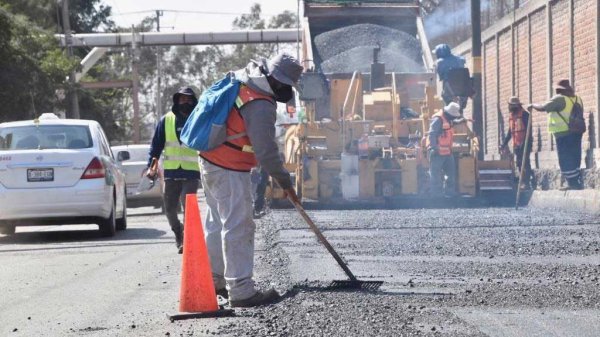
[(439, 149), (518, 122), (229, 226)]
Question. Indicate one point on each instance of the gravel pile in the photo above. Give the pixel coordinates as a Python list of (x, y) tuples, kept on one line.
[(358, 59), (350, 48)]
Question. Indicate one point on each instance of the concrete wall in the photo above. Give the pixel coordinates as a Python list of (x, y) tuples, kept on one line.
[(524, 54)]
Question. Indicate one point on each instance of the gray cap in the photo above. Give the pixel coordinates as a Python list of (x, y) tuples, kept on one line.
[(284, 68)]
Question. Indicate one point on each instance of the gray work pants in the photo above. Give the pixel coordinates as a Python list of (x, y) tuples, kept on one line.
[(438, 167), (175, 191), (229, 229)]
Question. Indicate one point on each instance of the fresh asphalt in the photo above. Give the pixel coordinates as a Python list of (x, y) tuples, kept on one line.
[(446, 272)]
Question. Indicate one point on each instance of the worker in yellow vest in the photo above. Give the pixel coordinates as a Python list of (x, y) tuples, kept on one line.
[(566, 123), (180, 163)]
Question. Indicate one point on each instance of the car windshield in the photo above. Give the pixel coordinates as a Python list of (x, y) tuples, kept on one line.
[(45, 137)]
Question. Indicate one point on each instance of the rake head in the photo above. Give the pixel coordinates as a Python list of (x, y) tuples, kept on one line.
[(359, 285)]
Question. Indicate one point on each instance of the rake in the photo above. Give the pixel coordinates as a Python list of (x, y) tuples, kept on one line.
[(353, 282)]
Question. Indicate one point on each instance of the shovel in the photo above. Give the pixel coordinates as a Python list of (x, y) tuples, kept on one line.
[(353, 282), (146, 184)]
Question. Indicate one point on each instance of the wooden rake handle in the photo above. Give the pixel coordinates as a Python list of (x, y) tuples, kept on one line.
[(323, 240)]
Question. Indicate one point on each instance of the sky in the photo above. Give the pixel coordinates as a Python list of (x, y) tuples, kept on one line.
[(193, 15)]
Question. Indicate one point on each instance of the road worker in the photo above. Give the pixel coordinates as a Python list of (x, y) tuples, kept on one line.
[(439, 149), (229, 226), (180, 163), (518, 121), (566, 123)]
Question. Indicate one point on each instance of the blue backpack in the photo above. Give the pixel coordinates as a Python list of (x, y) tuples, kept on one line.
[(205, 128)]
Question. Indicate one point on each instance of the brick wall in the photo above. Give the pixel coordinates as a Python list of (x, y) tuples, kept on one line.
[(525, 53), (490, 102), (539, 77), (585, 67), (505, 81)]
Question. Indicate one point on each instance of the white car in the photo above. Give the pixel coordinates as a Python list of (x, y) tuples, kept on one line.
[(59, 171), (134, 169)]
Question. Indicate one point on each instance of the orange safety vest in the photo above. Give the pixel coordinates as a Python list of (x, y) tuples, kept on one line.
[(236, 153), (517, 128), (446, 139)]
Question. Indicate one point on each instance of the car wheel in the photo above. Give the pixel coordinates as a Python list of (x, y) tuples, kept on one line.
[(108, 226), (122, 222), (7, 229)]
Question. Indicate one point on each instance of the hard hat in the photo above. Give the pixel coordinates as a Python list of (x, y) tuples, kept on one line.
[(452, 109)]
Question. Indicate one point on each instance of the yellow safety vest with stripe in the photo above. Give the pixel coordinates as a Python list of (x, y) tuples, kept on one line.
[(175, 154), (560, 123)]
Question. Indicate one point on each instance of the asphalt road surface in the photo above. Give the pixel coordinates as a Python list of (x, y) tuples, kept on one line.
[(446, 272)]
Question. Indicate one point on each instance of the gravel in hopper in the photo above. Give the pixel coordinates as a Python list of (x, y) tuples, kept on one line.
[(351, 48), (360, 58)]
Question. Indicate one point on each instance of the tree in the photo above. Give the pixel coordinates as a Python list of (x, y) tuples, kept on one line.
[(200, 67), (32, 67)]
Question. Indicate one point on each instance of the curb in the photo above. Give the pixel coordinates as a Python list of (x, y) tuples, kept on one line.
[(587, 201)]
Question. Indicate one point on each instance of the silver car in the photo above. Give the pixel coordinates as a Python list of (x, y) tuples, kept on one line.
[(59, 171), (134, 169)]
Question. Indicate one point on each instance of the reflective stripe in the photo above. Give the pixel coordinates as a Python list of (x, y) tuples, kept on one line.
[(181, 158), (239, 102), (236, 136), (571, 174), (248, 148), (173, 144)]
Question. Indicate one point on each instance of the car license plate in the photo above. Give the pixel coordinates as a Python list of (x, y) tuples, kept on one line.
[(45, 174)]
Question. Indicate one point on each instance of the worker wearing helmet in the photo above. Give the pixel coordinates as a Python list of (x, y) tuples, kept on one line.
[(439, 148), (518, 121)]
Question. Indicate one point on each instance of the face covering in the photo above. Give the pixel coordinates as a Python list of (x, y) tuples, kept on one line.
[(185, 108), (514, 108), (283, 92)]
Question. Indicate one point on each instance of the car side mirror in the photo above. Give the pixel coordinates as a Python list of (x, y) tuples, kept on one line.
[(123, 156)]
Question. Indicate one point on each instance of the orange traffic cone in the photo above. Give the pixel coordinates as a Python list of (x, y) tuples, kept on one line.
[(197, 296)]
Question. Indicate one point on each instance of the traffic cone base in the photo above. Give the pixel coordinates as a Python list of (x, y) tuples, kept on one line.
[(197, 297), (189, 315)]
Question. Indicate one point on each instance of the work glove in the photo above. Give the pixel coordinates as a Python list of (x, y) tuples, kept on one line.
[(290, 194)]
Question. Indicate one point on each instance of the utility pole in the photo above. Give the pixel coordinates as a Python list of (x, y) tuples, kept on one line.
[(135, 88), (476, 57), (159, 13), (74, 112), (298, 34)]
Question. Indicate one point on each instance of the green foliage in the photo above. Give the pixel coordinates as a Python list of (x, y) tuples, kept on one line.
[(31, 68), (199, 67)]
